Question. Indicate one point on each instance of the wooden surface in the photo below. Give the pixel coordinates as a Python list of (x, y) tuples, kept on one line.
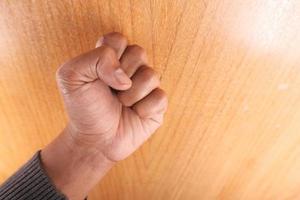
[(231, 69)]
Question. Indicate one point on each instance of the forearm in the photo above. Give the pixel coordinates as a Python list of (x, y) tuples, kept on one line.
[(73, 168)]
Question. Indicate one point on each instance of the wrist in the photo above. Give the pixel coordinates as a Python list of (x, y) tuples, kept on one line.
[(74, 167)]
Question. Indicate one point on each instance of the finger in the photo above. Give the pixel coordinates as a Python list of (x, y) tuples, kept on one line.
[(143, 82), (154, 104), (133, 57), (151, 111), (114, 40), (100, 63)]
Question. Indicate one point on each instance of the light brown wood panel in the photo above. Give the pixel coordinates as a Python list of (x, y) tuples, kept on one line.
[(231, 69)]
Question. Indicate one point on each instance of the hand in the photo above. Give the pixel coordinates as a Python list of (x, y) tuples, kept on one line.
[(112, 97), (114, 104)]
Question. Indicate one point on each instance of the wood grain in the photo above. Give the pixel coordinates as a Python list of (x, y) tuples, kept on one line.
[(231, 69)]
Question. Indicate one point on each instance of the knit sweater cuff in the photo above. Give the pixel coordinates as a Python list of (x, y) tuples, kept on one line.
[(30, 182)]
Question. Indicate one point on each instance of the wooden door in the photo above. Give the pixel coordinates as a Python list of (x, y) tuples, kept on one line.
[(231, 69)]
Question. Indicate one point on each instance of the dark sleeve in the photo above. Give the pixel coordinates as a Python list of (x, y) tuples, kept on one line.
[(30, 182)]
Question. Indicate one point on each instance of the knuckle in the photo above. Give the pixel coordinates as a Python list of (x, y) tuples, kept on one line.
[(117, 36), (137, 51), (148, 74), (161, 96)]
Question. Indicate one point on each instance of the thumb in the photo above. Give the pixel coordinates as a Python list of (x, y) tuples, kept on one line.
[(100, 63)]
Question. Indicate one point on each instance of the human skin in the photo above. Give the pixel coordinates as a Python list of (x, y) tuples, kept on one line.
[(114, 105)]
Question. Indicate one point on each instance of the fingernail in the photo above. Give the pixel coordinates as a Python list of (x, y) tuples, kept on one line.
[(122, 77)]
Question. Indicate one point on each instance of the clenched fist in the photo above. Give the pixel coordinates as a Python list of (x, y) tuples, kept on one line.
[(112, 97), (114, 104)]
